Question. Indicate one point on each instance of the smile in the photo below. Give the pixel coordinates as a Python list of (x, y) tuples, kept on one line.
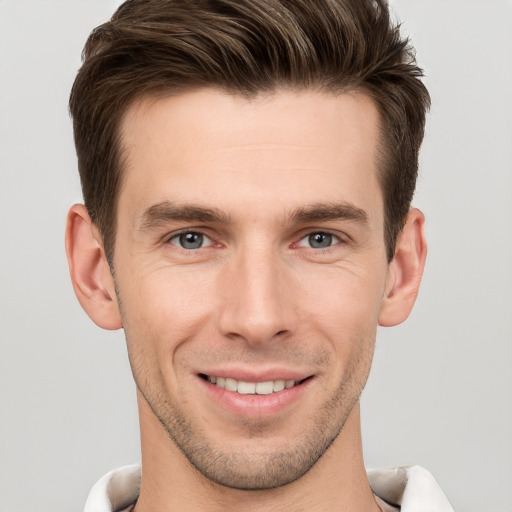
[(251, 388)]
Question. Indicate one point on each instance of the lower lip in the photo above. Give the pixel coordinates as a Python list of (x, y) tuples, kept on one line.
[(255, 405)]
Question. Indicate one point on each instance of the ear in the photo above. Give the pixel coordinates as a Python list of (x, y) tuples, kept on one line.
[(405, 271), (89, 269)]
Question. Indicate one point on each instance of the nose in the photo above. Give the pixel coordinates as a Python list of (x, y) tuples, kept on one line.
[(258, 298)]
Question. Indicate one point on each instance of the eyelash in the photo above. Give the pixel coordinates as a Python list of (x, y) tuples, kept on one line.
[(336, 239)]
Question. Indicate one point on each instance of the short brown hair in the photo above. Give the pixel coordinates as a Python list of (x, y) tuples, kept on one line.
[(244, 47)]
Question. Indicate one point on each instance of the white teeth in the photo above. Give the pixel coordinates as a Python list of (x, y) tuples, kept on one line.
[(264, 388), (246, 388), (251, 388), (231, 385), (279, 385)]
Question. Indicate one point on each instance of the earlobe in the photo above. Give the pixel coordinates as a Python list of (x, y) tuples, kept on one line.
[(405, 271), (89, 269)]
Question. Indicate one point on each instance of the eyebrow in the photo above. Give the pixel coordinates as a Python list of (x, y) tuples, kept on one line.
[(329, 211), (164, 212)]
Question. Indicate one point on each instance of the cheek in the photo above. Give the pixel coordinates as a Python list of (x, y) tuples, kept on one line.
[(164, 292), (163, 308), (343, 296), (345, 312)]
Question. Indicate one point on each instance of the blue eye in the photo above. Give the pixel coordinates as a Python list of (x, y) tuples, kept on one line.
[(190, 240), (319, 240)]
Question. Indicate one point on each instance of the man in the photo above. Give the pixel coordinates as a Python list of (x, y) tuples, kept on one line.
[(247, 169)]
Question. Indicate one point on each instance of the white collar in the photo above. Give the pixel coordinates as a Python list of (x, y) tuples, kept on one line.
[(411, 487)]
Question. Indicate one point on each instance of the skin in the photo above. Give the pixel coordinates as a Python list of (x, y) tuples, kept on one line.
[(256, 184)]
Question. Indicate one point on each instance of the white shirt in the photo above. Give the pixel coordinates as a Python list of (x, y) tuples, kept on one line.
[(412, 488)]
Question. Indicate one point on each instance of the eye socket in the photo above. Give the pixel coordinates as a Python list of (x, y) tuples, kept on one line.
[(190, 240), (319, 240)]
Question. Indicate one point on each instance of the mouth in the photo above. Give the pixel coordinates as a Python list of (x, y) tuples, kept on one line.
[(252, 388)]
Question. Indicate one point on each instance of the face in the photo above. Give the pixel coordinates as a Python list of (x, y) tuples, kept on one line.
[(250, 268)]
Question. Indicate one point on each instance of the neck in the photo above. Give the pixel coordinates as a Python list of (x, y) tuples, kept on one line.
[(337, 482)]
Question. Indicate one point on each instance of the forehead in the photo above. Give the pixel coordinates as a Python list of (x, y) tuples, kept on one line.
[(293, 147)]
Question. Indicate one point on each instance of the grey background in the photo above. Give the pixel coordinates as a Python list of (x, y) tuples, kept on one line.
[(440, 390)]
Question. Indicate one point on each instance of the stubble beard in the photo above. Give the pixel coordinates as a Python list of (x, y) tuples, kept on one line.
[(264, 470)]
